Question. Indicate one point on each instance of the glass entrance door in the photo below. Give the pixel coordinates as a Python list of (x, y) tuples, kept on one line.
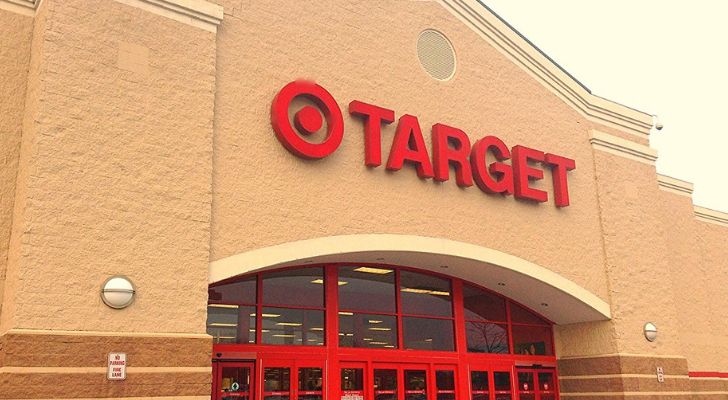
[(234, 381), (536, 384), (293, 380), (491, 382), (394, 381)]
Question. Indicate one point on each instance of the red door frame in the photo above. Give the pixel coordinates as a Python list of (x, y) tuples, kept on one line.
[(538, 390), (217, 369), (331, 357)]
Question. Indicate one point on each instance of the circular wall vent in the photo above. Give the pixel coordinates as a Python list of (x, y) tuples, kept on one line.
[(436, 54)]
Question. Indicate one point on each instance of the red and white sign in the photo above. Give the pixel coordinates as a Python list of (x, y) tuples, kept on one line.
[(116, 370), (482, 163)]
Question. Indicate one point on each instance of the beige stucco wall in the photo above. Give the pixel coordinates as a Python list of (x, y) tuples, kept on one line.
[(120, 171), (16, 33), (117, 171), (264, 196), (259, 187)]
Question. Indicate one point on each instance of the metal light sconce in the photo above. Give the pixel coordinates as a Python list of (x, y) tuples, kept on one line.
[(650, 331), (118, 292)]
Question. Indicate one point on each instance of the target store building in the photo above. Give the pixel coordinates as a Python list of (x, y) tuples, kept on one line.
[(336, 200)]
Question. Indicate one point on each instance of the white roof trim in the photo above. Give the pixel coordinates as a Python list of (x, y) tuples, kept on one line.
[(712, 216), (622, 147), (674, 185), (22, 7), (198, 13)]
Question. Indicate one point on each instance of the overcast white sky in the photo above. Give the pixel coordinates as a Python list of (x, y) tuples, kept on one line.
[(668, 58)]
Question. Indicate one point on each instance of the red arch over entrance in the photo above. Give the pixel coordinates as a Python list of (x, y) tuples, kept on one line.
[(291, 347)]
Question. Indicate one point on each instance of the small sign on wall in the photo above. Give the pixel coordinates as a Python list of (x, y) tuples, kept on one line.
[(660, 375), (116, 370)]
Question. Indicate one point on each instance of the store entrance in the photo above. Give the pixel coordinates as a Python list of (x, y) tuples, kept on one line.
[(375, 332), (234, 380), (398, 381)]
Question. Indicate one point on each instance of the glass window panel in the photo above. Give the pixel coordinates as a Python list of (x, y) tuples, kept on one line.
[(296, 287), (445, 383), (366, 289), (367, 330), (240, 292), (310, 383), (479, 381), (480, 304), (235, 382), (277, 383), (230, 323), (385, 384), (486, 337), (532, 340), (445, 380), (415, 385), (425, 295), (525, 386), (502, 381), (289, 326), (352, 379), (428, 334), (523, 316), (546, 381)]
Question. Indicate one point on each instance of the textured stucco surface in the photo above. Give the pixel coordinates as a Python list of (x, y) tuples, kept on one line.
[(16, 32), (264, 196), (118, 171), (260, 188)]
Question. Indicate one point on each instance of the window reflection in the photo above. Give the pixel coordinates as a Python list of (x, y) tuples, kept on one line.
[(367, 330), (428, 334), (479, 385), (526, 386), (230, 323), (482, 305), (366, 289), (415, 385), (385, 384), (293, 326), (277, 383), (352, 379), (239, 292), (445, 383), (532, 340), (523, 316), (425, 295), (502, 385), (486, 337), (310, 384), (303, 287)]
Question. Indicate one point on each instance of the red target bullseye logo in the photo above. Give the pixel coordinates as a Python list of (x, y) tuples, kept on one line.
[(307, 120)]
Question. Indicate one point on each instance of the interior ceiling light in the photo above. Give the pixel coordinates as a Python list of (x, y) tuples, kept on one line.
[(267, 315), (289, 324), (345, 313), (380, 329), (370, 270), (425, 291), (375, 321), (283, 335), (321, 282), (223, 305)]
